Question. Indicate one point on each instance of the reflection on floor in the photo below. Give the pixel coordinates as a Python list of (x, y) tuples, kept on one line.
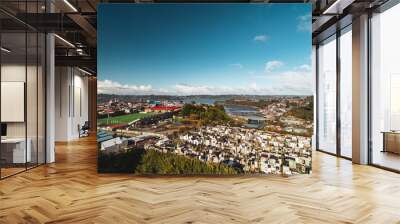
[(10, 169), (71, 191), (387, 159)]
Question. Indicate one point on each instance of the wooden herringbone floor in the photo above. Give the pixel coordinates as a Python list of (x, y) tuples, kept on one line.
[(71, 191)]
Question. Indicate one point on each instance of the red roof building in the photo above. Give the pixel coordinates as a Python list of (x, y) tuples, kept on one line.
[(118, 126), (165, 108)]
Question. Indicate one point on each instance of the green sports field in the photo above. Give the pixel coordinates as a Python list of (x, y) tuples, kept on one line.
[(123, 119)]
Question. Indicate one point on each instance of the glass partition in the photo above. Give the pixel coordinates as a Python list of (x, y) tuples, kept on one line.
[(346, 92), (41, 97), (31, 97), (22, 88), (13, 90), (385, 89), (327, 95)]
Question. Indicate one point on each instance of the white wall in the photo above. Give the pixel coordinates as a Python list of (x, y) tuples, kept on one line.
[(71, 103), (80, 111), (9, 73), (17, 73), (33, 126), (61, 103)]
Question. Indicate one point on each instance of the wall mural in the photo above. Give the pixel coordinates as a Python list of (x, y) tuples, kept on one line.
[(204, 89)]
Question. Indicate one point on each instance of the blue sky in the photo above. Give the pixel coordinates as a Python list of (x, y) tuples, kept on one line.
[(188, 49)]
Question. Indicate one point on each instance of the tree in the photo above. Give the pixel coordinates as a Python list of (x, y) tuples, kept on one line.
[(154, 162)]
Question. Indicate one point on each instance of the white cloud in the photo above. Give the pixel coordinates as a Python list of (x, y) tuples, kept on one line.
[(304, 67), (272, 65), (260, 38), (296, 81), (186, 89), (236, 65), (250, 89), (304, 23), (112, 87)]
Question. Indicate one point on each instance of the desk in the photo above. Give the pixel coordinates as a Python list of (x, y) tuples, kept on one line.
[(13, 150), (391, 141)]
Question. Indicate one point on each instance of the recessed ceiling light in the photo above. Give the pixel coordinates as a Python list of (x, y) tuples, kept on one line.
[(5, 50), (70, 5), (64, 40), (338, 6), (84, 71)]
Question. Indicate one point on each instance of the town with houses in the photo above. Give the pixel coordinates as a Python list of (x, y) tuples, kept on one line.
[(267, 136)]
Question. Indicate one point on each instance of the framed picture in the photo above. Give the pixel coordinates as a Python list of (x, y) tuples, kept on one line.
[(204, 89)]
